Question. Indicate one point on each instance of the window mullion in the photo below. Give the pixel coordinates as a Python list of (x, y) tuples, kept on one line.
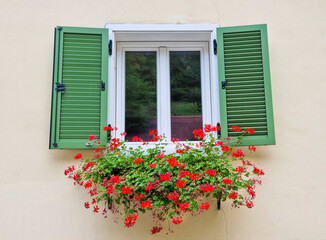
[(163, 90)]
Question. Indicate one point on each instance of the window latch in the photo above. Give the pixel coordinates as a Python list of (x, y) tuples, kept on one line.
[(215, 46), (103, 86), (110, 47), (60, 87), (224, 84)]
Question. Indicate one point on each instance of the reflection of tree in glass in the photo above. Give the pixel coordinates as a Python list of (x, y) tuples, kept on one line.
[(185, 83), (140, 91)]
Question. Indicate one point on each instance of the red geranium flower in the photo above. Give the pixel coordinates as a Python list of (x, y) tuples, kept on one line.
[(92, 137), (86, 204), (249, 204), (115, 179), (205, 206), (173, 196), (218, 143), (139, 197), (177, 220), (88, 184), (184, 173), (138, 160), (206, 188), (156, 230), (227, 181), (130, 220), (107, 128), (236, 128), (210, 172), (165, 177), (172, 162), (238, 154), (152, 165), (136, 139), (96, 208), (198, 133), (226, 149), (184, 206), (194, 176), (258, 171), (160, 155), (78, 155), (233, 195), (250, 130), (109, 189), (239, 169), (146, 204), (153, 132), (253, 148), (181, 183), (180, 151), (126, 190)]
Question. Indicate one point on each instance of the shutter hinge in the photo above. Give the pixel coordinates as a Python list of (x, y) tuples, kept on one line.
[(110, 47), (215, 46), (103, 86), (60, 87), (54, 144), (224, 84), (59, 28)]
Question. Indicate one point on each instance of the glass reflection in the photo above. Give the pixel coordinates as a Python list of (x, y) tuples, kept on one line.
[(186, 109), (140, 108)]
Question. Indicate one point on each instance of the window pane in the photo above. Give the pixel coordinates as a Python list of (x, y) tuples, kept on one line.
[(186, 110), (140, 94)]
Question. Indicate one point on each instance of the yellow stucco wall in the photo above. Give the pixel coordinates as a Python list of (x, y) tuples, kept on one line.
[(37, 202)]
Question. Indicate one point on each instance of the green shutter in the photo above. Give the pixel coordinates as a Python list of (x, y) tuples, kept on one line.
[(81, 65), (246, 100)]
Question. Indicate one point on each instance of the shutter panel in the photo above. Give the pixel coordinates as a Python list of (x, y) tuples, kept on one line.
[(81, 65), (246, 100)]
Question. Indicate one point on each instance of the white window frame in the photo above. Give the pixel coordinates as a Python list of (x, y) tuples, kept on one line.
[(137, 34)]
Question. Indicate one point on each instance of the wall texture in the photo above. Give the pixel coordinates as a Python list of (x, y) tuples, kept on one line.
[(37, 202)]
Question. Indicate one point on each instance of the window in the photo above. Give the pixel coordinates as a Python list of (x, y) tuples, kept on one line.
[(169, 77)]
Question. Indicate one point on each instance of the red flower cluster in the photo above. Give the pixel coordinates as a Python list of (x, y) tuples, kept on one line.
[(181, 183), (211, 172), (250, 131), (198, 133), (156, 230), (146, 204), (238, 154), (99, 149), (138, 160), (93, 192), (126, 190), (92, 137), (251, 191), (172, 162), (239, 169), (109, 189), (115, 179), (173, 196), (76, 177), (160, 155), (206, 188), (227, 181), (184, 206), (249, 204), (236, 128), (179, 151), (252, 148), (136, 139), (208, 128), (177, 220), (246, 162), (153, 132), (183, 173), (70, 169), (87, 166), (233, 195), (78, 155), (205, 206), (218, 143), (152, 165), (258, 171), (108, 128), (149, 186), (88, 184), (139, 197), (194, 176), (226, 149), (86, 204), (130, 220), (96, 208), (165, 177)]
